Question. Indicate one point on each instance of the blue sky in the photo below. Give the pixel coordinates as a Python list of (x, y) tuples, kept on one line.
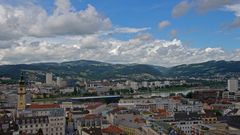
[(193, 28), (159, 32)]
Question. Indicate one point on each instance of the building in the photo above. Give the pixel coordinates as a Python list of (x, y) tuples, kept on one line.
[(186, 120), (112, 130), (90, 131), (95, 108), (233, 85), (21, 104), (56, 116), (214, 129), (49, 78), (134, 85), (31, 125), (59, 81), (88, 124), (8, 126)]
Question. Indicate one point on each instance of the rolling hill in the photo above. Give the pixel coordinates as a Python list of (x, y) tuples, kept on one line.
[(101, 70)]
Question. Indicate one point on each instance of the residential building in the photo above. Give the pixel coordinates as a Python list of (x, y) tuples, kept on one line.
[(31, 125), (49, 78), (233, 85)]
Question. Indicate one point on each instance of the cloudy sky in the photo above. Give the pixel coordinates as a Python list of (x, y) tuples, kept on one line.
[(159, 32)]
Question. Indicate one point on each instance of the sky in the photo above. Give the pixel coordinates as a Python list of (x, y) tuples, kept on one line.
[(158, 32)]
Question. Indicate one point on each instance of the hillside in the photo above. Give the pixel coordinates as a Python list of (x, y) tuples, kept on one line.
[(85, 69), (206, 68), (101, 70)]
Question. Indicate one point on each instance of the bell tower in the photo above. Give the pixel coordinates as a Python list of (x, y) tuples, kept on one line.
[(21, 104)]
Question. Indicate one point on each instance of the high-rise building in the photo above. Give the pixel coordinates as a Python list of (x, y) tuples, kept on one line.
[(233, 85), (49, 78), (59, 81), (21, 104)]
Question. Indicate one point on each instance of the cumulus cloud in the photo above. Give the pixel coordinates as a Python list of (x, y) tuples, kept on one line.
[(29, 34), (140, 49), (236, 10), (163, 24), (32, 20)]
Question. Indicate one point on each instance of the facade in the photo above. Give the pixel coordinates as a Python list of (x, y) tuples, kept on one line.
[(59, 81), (233, 85), (55, 115), (31, 125), (88, 121), (49, 78), (8, 126), (186, 120)]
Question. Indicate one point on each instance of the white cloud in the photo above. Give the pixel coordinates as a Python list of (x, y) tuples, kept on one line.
[(200, 6), (235, 8), (32, 20), (128, 30), (141, 49), (163, 24), (29, 34)]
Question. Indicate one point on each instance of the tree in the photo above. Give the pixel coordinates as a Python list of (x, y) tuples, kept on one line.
[(131, 91), (111, 92), (189, 95)]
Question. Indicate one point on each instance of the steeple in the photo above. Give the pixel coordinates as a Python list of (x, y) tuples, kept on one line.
[(21, 105)]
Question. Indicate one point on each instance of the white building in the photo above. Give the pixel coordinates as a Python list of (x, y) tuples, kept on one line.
[(233, 85), (49, 78), (134, 85), (59, 81), (157, 84), (31, 125), (56, 117), (185, 121), (145, 84)]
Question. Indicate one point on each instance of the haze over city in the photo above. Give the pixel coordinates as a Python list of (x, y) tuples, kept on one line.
[(158, 32)]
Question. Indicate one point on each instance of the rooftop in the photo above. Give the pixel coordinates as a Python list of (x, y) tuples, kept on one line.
[(93, 105), (112, 130), (92, 131), (43, 106)]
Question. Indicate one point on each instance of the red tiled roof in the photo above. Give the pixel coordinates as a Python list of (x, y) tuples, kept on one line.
[(139, 120), (112, 130), (94, 105), (42, 106), (176, 97)]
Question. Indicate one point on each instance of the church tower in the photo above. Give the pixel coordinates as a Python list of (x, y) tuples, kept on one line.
[(21, 104)]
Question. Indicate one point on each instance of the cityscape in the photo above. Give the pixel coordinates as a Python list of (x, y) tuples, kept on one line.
[(86, 67)]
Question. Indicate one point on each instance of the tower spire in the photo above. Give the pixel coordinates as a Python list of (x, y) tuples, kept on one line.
[(21, 105)]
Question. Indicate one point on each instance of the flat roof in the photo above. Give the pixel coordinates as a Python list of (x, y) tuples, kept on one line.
[(96, 97)]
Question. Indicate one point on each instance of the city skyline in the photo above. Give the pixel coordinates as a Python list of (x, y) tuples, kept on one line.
[(149, 32)]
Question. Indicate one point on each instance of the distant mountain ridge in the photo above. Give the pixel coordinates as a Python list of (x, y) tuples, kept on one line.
[(101, 70)]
